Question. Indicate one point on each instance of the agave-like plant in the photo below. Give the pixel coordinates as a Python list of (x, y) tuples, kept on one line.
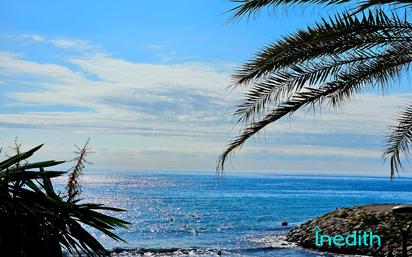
[(367, 45), (37, 221)]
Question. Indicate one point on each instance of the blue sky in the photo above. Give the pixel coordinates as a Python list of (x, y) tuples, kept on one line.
[(147, 81)]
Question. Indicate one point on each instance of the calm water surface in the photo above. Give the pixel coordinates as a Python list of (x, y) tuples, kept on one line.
[(241, 215)]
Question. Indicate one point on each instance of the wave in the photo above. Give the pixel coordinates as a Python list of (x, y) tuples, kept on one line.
[(159, 252), (272, 241)]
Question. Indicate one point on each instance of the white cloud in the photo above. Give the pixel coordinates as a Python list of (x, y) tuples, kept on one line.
[(65, 43), (13, 65), (124, 95), (315, 151), (180, 109), (160, 93), (155, 46), (24, 37), (73, 44)]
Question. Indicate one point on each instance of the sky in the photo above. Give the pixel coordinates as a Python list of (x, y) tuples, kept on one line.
[(148, 81)]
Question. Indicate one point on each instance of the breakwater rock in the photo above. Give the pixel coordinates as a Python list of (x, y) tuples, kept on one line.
[(376, 219)]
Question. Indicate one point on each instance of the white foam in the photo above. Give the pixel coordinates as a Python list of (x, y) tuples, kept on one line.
[(273, 241)]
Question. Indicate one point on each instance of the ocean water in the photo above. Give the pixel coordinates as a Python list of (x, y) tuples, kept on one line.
[(198, 215)]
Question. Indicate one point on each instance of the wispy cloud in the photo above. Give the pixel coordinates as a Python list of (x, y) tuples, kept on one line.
[(155, 46), (314, 151), (174, 110), (66, 43), (121, 93), (73, 44)]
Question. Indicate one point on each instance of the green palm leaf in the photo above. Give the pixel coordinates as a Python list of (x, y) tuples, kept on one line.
[(367, 46), (399, 140), (335, 36), (333, 72), (251, 7)]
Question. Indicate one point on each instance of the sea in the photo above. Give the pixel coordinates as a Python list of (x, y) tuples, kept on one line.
[(229, 215)]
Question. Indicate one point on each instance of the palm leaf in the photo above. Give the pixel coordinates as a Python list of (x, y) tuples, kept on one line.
[(379, 71), (283, 84), (335, 36), (399, 140), (252, 7), (311, 95)]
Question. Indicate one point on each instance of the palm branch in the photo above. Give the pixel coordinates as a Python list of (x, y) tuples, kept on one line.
[(251, 7), (314, 55), (399, 140), (324, 64)]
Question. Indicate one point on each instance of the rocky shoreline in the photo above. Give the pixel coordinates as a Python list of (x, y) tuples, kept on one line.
[(344, 221)]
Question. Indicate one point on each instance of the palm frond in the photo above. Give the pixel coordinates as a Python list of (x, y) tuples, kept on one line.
[(283, 84), (334, 36), (306, 60), (376, 72), (393, 3), (310, 96), (252, 7), (399, 140)]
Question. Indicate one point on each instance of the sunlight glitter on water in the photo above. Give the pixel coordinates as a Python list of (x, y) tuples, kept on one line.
[(240, 215)]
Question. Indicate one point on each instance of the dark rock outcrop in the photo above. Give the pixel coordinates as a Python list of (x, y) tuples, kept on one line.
[(376, 218)]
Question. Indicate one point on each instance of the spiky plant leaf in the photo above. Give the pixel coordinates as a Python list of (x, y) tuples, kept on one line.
[(36, 221)]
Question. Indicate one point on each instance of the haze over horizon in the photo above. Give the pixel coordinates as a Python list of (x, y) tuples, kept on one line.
[(148, 83)]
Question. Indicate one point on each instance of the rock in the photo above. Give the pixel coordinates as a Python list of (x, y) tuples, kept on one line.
[(344, 221)]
